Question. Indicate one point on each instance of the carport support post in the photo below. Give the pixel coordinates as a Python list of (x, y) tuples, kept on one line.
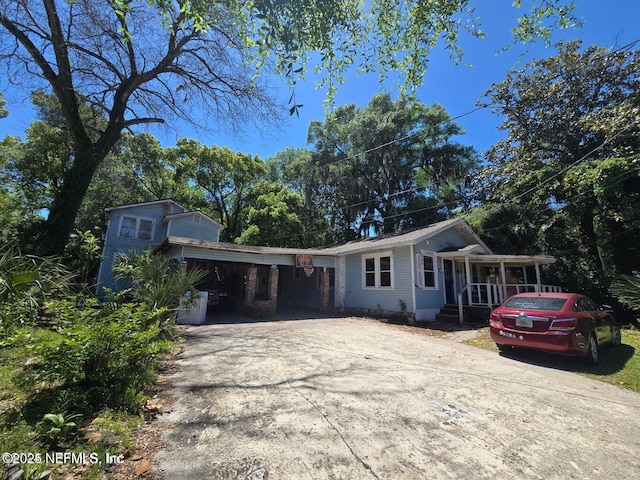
[(324, 290), (252, 280), (273, 285)]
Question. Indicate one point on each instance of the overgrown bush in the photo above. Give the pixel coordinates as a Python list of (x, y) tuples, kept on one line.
[(105, 357)]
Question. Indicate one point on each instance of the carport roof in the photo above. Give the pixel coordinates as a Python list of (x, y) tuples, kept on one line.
[(233, 247)]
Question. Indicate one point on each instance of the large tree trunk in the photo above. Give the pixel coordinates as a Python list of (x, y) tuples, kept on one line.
[(54, 233)]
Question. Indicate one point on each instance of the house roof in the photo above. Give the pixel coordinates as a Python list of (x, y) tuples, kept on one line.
[(410, 237), (171, 216), (374, 243), (144, 204)]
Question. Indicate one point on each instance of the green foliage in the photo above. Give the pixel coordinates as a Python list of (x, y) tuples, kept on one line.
[(211, 61), (157, 282), (3, 111), (226, 179), (84, 252), (565, 179), (627, 289), (277, 217), (379, 35), (103, 357), (377, 166), (56, 425), (25, 282)]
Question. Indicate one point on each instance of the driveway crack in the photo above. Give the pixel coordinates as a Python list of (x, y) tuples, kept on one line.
[(335, 429)]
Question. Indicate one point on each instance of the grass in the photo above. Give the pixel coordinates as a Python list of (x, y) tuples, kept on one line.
[(618, 366)]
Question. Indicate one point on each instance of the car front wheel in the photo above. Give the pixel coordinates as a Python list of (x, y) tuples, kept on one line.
[(592, 352)]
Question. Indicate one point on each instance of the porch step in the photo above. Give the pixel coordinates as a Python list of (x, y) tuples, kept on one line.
[(447, 318), (471, 314)]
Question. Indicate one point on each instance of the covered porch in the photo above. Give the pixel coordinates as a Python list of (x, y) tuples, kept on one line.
[(472, 278)]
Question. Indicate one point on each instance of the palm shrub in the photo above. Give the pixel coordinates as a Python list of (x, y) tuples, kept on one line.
[(25, 282), (627, 289), (157, 281)]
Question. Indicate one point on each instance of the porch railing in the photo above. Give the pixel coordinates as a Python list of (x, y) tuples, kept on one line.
[(491, 294)]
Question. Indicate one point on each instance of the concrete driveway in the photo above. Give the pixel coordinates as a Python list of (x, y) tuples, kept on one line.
[(358, 399)]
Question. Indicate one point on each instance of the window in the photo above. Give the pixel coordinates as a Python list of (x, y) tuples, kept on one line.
[(536, 303), (145, 229), (377, 271), (134, 227), (584, 304), (128, 227), (426, 271)]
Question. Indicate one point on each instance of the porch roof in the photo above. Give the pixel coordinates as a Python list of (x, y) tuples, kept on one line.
[(472, 253)]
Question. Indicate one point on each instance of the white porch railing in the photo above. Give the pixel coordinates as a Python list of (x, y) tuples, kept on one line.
[(491, 294)]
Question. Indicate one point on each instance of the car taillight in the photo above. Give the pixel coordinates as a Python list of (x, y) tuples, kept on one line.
[(564, 324), (494, 317)]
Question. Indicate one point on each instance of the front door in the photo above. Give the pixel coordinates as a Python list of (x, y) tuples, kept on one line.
[(449, 283)]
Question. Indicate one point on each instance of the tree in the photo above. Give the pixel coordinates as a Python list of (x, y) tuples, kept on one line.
[(375, 164), (3, 111), (567, 169), (136, 62), (132, 63), (226, 177), (292, 168), (137, 170), (277, 218)]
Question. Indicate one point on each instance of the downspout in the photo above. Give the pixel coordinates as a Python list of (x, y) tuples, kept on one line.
[(413, 280)]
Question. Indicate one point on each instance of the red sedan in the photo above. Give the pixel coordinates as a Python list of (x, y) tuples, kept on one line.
[(564, 323)]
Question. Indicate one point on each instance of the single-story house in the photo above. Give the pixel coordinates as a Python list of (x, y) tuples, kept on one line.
[(419, 272)]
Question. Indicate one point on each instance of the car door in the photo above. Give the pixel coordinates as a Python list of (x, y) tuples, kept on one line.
[(587, 313), (602, 327)]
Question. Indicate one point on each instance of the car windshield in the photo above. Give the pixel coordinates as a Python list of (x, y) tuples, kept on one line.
[(536, 303)]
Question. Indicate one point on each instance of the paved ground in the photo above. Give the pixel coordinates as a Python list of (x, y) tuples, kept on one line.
[(357, 399)]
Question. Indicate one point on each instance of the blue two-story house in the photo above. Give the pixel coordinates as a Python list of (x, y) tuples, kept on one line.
[(417, 272)]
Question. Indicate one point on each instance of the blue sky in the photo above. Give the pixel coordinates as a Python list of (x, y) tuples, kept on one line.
[(611, 23)]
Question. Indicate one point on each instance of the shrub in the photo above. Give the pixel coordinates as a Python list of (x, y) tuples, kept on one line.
[(105, 357)]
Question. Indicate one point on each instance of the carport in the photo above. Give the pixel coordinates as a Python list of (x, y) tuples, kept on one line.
[(258, 280)]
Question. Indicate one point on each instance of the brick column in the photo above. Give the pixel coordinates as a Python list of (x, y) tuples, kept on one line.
[(324, 290), (252, 280), (274, 273)]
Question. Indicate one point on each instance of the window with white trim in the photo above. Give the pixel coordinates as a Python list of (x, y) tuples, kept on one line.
[(135, 227), (377, 270), (426, 271)]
